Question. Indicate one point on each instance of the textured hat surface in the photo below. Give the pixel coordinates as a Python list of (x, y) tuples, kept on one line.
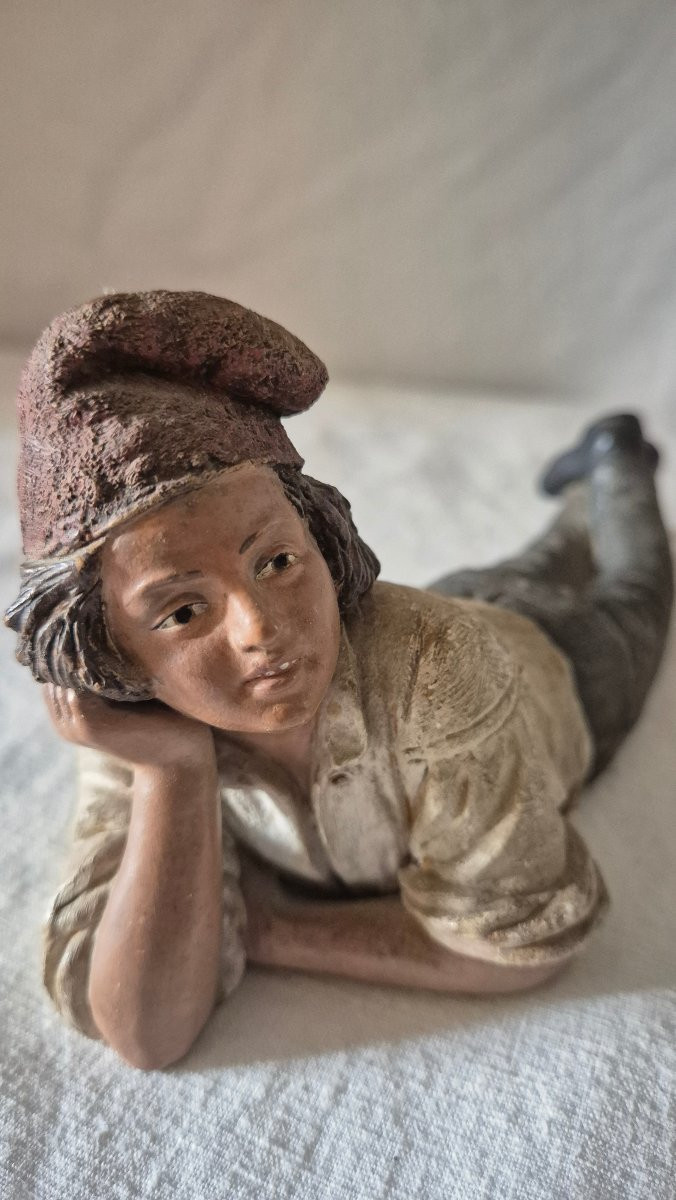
[(127, 400)]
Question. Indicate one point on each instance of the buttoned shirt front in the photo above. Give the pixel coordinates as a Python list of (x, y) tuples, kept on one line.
[(448, 746)]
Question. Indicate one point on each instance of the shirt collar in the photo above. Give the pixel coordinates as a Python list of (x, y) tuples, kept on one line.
[(341, 730)]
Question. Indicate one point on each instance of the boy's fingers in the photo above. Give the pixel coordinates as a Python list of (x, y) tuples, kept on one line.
[(62, 702), (51, 700)]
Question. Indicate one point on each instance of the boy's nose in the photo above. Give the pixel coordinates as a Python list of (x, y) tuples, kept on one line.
[(250, 625)]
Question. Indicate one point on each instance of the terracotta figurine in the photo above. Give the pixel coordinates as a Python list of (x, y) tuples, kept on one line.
[(280, 758)]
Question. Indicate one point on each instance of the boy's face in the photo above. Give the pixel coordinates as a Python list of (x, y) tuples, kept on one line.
[(250, 592)]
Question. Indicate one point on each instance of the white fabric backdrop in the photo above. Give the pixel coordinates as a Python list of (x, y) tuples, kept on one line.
[(309, 1089), (477, 193)]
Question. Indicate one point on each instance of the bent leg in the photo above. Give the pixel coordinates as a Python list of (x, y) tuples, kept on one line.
[(632, 595), (600, 584), (561, 556)]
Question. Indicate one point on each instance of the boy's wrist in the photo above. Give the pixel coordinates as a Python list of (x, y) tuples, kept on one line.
[(195, 773)]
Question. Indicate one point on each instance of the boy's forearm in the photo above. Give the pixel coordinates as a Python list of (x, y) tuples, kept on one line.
[(155, 960), (377, 941)]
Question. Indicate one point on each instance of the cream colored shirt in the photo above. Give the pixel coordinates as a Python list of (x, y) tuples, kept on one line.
[(448, 745)]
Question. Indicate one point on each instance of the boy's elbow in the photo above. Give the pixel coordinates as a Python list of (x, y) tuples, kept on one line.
[(149, 1049), (509, 977), (473, 971), (149, 1038), (149, 1057)]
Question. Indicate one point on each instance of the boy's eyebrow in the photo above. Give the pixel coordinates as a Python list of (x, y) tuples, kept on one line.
[(249, 541), (156, 584), (264, 522), (165, 581)]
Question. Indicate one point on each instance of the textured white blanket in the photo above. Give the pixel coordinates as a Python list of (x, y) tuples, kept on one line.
[(318, 1089)]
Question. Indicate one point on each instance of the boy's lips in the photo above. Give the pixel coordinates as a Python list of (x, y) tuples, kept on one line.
[(276, 667), (272, 675)]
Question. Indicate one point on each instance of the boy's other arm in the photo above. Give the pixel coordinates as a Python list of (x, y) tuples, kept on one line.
[(375, 940)]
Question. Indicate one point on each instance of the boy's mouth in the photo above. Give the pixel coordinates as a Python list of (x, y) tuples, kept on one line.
[(278, 670)]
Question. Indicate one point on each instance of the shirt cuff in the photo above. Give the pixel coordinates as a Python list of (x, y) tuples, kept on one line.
[(510, 926)]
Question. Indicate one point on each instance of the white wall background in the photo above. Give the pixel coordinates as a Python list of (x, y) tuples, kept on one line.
[(479, 193)]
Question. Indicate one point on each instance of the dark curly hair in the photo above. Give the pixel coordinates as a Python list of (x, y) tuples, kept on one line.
[(59, 614)]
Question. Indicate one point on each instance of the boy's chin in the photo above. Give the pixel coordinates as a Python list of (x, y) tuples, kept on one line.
[(273, 718), (284, 718)]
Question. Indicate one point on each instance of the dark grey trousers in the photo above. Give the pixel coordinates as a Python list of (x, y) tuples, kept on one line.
[(599, 582)]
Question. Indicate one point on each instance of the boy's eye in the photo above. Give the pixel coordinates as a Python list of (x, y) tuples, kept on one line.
[(182, 615), (280, 562)]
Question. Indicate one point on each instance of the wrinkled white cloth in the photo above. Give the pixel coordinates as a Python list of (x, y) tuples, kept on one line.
[(319, 1089)]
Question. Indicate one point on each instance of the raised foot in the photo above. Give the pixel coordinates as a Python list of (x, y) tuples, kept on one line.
[(617, 431)]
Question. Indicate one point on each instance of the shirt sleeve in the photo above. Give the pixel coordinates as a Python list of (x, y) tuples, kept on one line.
[(99, 837), (496, 871)]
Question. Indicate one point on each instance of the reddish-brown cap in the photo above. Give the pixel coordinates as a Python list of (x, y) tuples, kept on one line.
[(126, 400)]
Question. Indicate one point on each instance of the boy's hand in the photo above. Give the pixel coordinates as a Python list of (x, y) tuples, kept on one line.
[(146, 734)]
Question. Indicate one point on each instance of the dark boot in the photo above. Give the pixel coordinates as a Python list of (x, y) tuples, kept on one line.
[(617, 431)]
